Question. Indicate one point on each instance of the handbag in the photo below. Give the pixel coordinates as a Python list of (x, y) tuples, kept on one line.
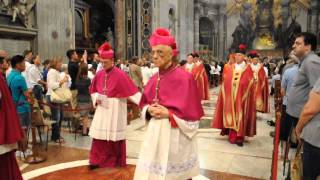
[(296, 166), (61, 95)]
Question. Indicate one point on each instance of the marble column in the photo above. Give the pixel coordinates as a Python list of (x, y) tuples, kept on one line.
[(185, 28), (190, 27), (120, 30), (314, 17), (225, 31), (222, 39), (196, 26)]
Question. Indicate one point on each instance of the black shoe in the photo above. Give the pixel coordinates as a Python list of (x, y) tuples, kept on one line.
[(293, 145), (271, 123), (272, 134), (85, 134), (92, 167), (240, 144)]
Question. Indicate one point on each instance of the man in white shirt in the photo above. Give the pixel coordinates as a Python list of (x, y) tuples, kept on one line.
[(35, 78), (28, 54), (146, 73)]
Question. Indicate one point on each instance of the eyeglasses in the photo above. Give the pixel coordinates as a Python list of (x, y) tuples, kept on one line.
[(160, 53)]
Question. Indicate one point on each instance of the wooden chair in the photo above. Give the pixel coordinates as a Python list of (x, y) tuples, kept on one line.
[(47, 123), (73, 120)]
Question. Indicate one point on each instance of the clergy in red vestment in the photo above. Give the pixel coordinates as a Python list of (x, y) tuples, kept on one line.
[(235, 109), (10, 133), (196, 68), (172, 104), (261, 83), (232, 58), (190, 63), (110, 89)]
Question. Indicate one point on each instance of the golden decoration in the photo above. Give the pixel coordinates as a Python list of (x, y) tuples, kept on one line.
[(234, 7), (276, 11), (264, 41), (304, 4), (296, 5)]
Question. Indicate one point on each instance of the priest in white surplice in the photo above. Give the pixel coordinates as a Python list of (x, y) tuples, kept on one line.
[(110, 90), (171, 102)]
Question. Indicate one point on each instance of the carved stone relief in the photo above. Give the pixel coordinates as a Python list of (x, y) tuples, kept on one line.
[(18, 9)]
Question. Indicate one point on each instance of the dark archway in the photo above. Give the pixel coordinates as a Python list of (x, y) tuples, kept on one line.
[(206, 32), (95, 17)]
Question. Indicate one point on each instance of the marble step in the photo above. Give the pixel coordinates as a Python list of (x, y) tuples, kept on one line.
[(205, 122)]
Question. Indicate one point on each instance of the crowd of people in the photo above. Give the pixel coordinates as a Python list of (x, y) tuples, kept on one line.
[(169, 93), (299, 75)]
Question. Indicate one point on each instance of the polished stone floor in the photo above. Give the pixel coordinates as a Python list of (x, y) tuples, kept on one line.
[(218, 158)]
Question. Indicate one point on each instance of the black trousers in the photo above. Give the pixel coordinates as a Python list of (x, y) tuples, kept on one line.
[(286, 123), (311, 161)]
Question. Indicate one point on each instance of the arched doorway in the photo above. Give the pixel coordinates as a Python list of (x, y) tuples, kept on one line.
[(206, 34), (94, 23)]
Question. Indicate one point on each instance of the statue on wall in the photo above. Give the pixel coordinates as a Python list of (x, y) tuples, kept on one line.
[(5, 6), (244, 34), (110, 37), (5, 3), (21, 9), (293, 29), (241, 35), (279, 36)]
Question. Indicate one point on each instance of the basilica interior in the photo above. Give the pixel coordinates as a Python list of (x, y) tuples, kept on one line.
[(212, 28)]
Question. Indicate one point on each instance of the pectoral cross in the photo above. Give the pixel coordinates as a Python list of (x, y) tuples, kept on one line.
[(156, 97), (105, 85)]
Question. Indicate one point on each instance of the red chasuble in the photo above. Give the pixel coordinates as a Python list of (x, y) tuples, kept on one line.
[(262, 91), (10, 129), (235, 109), (200, 75), (10, 133)]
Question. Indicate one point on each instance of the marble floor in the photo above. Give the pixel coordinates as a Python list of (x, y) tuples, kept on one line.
[(218, 158)]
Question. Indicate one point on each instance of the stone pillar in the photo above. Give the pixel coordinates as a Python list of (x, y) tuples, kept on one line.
[(185, 28), (314, 17), (120, 30), (196, 25), (222, 30), (191, 29), (225, 32)]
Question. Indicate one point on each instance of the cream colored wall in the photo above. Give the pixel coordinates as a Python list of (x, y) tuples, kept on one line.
[(55, 16)]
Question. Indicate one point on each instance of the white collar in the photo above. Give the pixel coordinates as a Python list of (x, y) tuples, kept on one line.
[(240, 66)]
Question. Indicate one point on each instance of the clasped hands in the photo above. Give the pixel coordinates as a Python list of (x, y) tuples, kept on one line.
[(158, 111)]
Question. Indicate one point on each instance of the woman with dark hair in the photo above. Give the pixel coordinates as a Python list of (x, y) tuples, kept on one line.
[(182, 63), (84, 99)]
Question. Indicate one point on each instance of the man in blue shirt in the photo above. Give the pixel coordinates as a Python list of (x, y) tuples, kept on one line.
[(19, 91), (286, 85)]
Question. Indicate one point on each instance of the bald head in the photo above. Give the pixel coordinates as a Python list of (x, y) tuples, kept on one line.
[(3, 53)]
